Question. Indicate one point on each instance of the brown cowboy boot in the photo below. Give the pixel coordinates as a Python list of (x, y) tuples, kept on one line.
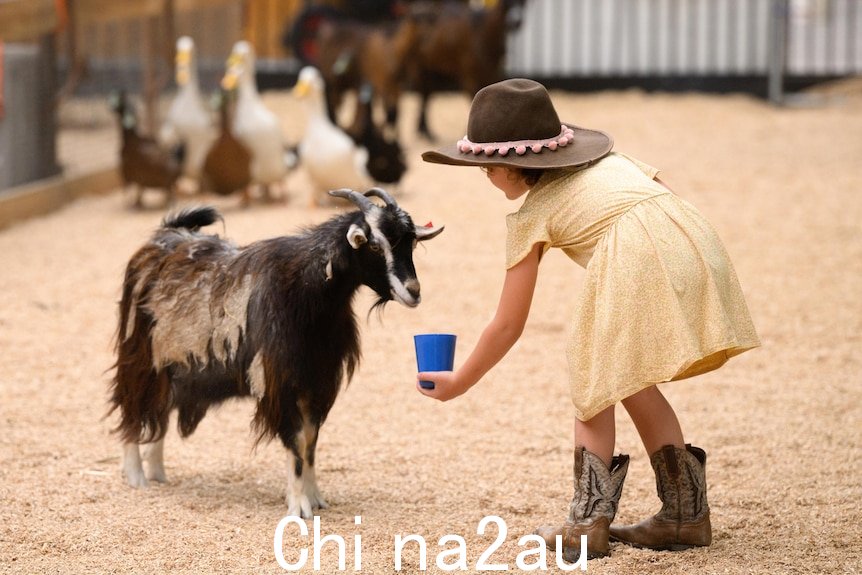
[(683, 521), (593, 507)]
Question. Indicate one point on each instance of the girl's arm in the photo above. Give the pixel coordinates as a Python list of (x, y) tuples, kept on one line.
[(499, 336)]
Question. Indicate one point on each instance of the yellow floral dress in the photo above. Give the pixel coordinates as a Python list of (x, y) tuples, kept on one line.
[(660, 301)]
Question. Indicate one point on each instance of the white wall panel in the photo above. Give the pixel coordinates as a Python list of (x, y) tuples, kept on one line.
[(683, 37)]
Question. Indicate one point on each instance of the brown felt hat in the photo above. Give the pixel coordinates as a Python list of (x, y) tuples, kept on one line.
[(513, 123)]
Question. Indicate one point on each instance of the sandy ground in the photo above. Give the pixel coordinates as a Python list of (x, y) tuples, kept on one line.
[(781, 424)]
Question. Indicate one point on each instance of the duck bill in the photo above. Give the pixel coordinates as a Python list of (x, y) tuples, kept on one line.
[(300, 90), (183, 61), (234, 69), (230, 80)]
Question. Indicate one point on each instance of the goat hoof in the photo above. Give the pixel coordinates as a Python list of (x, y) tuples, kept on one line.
[(157, 475), (299, 507), (317, 502), (136, 480)]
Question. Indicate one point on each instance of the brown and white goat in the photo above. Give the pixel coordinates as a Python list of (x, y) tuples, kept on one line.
[(202, 321)]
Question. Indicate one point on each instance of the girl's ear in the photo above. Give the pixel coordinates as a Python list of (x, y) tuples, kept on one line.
[(514, 174)]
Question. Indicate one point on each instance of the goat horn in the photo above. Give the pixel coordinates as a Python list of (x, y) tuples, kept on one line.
[(390, 201), (364, 203)]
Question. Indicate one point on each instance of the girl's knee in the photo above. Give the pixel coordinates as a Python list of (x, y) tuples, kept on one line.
[(646, 397), (599, 418)]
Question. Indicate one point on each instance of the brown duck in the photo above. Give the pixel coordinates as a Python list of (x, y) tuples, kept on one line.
[(227, 166), (143, 162)]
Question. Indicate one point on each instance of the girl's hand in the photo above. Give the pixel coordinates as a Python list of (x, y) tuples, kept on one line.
[(446, 385)]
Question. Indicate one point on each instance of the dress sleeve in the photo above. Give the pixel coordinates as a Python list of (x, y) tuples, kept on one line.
[(650, 171), (525, 229)]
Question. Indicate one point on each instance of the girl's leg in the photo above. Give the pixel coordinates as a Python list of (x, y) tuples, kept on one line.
[(598, 483), (680, 472), (654, 419), (597, 435)]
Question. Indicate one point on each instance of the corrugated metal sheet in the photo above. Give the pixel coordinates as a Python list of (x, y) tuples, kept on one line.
[(566, 38)]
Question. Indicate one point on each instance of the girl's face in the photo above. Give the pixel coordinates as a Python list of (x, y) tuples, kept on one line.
[(510, 181)]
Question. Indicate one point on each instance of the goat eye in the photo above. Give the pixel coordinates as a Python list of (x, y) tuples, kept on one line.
[(375, 247)]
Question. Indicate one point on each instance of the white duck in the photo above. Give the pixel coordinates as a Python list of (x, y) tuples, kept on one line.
[(188, 121), (254, 124), (331, 158)]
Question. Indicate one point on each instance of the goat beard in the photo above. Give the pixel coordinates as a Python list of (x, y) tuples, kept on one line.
[(378, 306)]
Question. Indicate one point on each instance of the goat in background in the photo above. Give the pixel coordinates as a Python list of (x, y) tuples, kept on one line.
[(202, 320), (459, 47), (434, 46)]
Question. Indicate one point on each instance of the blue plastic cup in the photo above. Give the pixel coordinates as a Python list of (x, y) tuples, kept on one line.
[(434, 352)]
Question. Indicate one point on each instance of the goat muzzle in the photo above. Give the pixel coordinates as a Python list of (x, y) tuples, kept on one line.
[(412, 287)]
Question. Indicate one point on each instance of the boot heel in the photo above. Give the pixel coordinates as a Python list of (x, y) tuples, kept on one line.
[(683, 521)]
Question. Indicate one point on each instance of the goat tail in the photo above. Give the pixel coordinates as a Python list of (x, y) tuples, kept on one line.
[(140, 391), (192, 218)]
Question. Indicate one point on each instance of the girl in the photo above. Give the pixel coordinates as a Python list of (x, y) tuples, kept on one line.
[(660, 302)]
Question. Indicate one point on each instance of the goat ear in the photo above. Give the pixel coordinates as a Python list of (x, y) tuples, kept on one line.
[(356, 236), (425, 233)]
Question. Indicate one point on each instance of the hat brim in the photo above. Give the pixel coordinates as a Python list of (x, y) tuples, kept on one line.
[(587, 146)]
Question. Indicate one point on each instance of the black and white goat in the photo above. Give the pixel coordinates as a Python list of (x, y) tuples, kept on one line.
[(202, 320)]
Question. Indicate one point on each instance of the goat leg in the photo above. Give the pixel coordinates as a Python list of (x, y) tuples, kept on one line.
[(154, 455), (132, 468), (139, 196), (312, 491), (310, 488), (422, 126), (245, 198), (171, 195), (298, 503), (303, 496)]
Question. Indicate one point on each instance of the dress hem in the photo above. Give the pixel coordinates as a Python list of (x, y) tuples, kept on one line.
[(733, 349)]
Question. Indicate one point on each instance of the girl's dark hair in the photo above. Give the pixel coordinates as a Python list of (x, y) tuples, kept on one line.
[(532, 175)]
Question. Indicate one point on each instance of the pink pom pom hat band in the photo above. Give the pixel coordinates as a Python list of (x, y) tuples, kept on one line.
[(561, 140), (520, 107)]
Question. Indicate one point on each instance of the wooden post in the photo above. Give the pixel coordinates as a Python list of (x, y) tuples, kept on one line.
[(170, 40), (149, 49), (777, 49)]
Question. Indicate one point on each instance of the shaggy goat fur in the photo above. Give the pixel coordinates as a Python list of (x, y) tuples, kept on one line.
[(202, 320)]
